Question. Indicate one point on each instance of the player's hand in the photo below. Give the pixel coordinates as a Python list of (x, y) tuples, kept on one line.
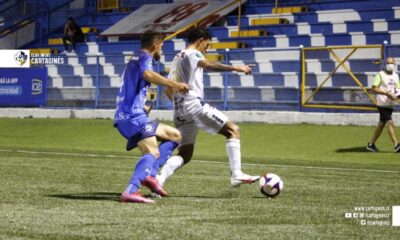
[(181, 87), (247, 69), (390, 95)]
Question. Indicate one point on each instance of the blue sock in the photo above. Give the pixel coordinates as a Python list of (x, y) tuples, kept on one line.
[(166, 149), (143, 169)]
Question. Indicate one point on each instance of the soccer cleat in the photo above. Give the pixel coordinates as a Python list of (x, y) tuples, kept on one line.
[(397, 148), (134, 197), (154, 186), (372, 148), (242, 179)]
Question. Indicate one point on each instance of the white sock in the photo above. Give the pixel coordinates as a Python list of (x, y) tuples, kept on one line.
[(170, 166), (233, 150)]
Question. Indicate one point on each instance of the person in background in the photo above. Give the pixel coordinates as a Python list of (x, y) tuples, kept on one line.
[(72, 34), (386, 82)]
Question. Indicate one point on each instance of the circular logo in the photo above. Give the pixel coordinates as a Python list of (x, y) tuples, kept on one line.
[(20, 58)]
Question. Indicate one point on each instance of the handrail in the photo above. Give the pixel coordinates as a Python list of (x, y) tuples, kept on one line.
[(12, 6), (17, 26), (199, 20)]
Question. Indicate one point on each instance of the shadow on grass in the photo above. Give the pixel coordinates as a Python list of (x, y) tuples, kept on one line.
[(358, 150), (352, 150), (94, 196), (109, 196), (201, 197)]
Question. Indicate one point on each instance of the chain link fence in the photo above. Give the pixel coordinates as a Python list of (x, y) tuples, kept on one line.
[(92, 81)]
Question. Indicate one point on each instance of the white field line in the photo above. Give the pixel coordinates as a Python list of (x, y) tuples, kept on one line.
[(204, 161)]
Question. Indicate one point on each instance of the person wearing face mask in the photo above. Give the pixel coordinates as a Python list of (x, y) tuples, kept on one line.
[(385, 83)]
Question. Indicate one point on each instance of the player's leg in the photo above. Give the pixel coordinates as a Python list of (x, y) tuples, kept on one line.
[(392, 134), (189, 132), (214, 121), (64, 39), (175, 162), (383, 118), (231, 131), (377, 132), (149, 148), (73, 42), (170, 138)]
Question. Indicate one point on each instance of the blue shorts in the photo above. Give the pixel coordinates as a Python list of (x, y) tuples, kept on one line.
[(136, 130)]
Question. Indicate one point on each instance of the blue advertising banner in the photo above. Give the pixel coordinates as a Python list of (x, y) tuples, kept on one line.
[(23, 86)]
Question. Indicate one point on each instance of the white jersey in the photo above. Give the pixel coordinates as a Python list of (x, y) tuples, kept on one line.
[(184, 69), (386, 82)]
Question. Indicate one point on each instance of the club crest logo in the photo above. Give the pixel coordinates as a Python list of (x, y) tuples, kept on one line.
[(20, 58)]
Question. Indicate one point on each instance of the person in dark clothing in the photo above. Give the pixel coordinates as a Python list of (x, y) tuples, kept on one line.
[(72, 34)]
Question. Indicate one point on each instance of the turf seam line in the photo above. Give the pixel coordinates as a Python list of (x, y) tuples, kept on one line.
[(204, 161)]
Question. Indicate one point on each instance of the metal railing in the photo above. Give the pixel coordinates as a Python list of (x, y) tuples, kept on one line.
[(264, 90)]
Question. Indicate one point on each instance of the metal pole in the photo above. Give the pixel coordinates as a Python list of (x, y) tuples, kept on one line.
[(226, 81), (300, 86), (96, 103), (239, 15), (158, 95), (385, 53)]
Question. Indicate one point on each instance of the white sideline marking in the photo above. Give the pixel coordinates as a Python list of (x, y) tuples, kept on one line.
[(309, 167), (204, 161)]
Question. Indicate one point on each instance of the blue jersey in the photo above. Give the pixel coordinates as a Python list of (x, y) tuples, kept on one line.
[(133, 90)]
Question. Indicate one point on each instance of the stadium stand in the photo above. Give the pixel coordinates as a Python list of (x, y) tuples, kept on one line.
[(270, 38)]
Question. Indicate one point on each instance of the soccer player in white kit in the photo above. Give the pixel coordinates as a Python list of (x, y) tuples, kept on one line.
[(192, 114)]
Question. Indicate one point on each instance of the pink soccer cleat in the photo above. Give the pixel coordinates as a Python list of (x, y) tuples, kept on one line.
[(134, 197), (154, 186)]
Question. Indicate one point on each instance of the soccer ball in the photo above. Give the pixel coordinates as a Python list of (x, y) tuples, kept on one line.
[(396, 93), (270, 185)]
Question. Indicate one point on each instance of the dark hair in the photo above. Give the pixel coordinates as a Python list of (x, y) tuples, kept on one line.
[(149, 37), (196, 33)]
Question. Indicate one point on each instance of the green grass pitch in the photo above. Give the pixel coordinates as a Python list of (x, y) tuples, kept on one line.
[(61, 179)]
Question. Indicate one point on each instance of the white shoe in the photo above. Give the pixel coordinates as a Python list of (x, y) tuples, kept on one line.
[(64, 52), (160, 180), (242, 179), (73, 52)]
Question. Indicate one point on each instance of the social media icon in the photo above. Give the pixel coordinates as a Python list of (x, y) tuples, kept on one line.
[(363, 222)]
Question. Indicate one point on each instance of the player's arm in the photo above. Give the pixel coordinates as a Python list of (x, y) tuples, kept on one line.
[(219, 67), (169, 92), (156, 78)]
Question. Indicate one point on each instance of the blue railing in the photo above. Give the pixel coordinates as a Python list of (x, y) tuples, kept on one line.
[(47, 17)]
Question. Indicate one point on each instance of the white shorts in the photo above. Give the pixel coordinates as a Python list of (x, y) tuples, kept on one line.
[(194, 116)]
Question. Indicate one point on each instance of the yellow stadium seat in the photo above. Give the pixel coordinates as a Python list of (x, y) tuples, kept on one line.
[(214, 57), (43, 51), (88, 30), (248, 33), (55, 41), (296, 9), (224, 45), (268, 21)]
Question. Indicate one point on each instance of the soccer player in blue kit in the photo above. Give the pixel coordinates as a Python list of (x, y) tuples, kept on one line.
[(132, 121)]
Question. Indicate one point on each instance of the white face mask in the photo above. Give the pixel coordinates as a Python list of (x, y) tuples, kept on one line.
[(390, 67)]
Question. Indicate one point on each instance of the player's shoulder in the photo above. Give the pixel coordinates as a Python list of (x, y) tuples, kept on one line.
[(194, 53)]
